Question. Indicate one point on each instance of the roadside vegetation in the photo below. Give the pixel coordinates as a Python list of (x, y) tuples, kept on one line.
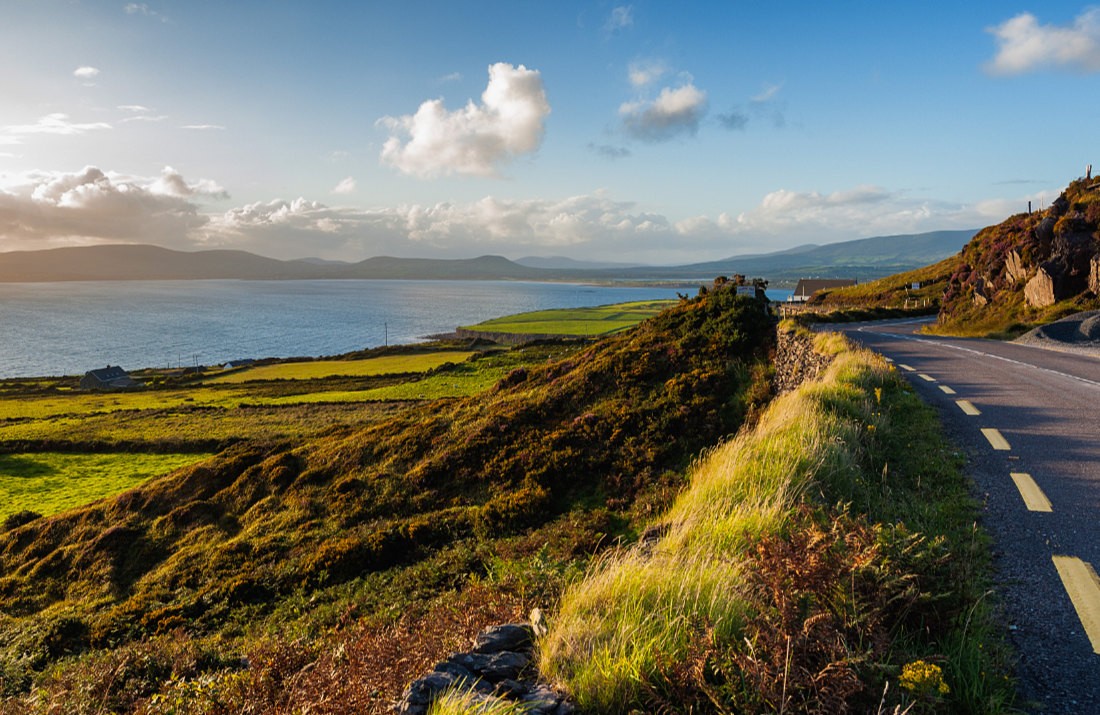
[(824, 561)]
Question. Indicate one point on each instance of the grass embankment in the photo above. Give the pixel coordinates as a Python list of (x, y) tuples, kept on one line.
[(577, 322), (314, 574), (810, 561)]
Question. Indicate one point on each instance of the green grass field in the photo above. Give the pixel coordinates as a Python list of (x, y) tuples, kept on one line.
[(319, 369), (48, 483), (597, 320)]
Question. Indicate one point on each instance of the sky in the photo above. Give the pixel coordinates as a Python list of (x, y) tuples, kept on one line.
[(640, 132)]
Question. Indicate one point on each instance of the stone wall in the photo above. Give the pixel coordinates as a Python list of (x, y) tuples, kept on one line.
[(796, 361)]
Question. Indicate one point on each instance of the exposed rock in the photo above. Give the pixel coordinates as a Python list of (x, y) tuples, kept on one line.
[(1014, 267), (981, 298), (1094, 275), (495, 669), (796, 361), (1045, 230), (1041, 290), (510, 636)]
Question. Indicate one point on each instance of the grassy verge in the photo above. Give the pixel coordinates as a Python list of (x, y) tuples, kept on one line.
[(814, 559), (592, 321)]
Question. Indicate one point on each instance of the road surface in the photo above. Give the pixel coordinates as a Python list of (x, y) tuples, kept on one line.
[(1029, 420)]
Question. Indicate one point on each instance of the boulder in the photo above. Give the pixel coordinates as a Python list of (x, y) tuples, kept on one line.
[(981, 297), (510, 636), (1014, 267), (1041, 290)]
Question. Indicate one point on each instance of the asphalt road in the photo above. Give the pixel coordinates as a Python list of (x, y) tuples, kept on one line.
[(1045, 406)]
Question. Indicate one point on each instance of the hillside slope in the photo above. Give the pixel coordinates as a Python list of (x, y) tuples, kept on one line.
[(1029, 269), (377, 521)]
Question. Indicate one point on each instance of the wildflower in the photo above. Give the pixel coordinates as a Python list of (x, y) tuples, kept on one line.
[(923, 679)]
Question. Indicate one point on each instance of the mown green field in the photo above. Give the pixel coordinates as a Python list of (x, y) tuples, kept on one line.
[(593, 321), (315, 369), (48, 483)]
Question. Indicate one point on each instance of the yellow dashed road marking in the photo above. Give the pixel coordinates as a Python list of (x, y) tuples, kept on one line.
[(995, 439), (968, 407), (1083, 588), (1033, 496), (926, 378), (903, 366), (946, 390)]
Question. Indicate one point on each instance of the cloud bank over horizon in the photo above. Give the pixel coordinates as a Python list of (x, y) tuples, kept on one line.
[(47, 210)]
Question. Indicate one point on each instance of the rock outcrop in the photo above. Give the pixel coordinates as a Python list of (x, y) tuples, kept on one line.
[(1039, 259), (499, 666)]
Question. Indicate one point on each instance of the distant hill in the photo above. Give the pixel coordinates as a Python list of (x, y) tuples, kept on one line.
[(128, 262), (563, 263), (863, 259), (1028, 270)]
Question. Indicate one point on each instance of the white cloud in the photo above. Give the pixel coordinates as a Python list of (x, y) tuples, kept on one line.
[(136, 108), (1024, 45), (621, 17), (203, 127), (452, 77), (86, 73), (861, 211), (54, 208), (346, 186), (135, 8), (675, 111), (53, 124), (171, 183), (474, 140), (646, 72)]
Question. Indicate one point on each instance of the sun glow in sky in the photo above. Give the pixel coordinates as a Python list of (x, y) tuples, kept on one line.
[(648, 132)]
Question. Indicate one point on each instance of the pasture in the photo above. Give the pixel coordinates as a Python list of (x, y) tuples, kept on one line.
[(48, 483), (575, 322)]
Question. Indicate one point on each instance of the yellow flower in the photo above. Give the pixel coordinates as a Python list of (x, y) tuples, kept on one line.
[(923, 679)]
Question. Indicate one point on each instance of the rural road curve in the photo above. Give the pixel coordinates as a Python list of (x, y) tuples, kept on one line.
[(1029, 421)]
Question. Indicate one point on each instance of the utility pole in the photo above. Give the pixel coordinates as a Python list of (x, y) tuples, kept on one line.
[(386, 329)]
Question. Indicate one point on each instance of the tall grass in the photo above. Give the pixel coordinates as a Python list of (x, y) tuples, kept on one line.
[(696, 599)]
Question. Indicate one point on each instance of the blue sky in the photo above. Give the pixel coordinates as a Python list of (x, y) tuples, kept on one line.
[(644, 131)]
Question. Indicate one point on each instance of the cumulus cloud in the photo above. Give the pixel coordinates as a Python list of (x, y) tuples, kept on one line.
[(861, 211), (477, 139), (46, 209), (674, 112), (346, 186), (1024, 45), (86, 73)]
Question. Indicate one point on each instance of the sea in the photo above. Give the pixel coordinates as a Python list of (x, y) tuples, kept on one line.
[(68, 328)]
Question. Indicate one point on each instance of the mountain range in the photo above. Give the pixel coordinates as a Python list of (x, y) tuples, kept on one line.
[(862, 259)]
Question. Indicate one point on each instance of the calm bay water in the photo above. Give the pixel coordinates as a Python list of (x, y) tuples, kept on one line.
[(69, 328)]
